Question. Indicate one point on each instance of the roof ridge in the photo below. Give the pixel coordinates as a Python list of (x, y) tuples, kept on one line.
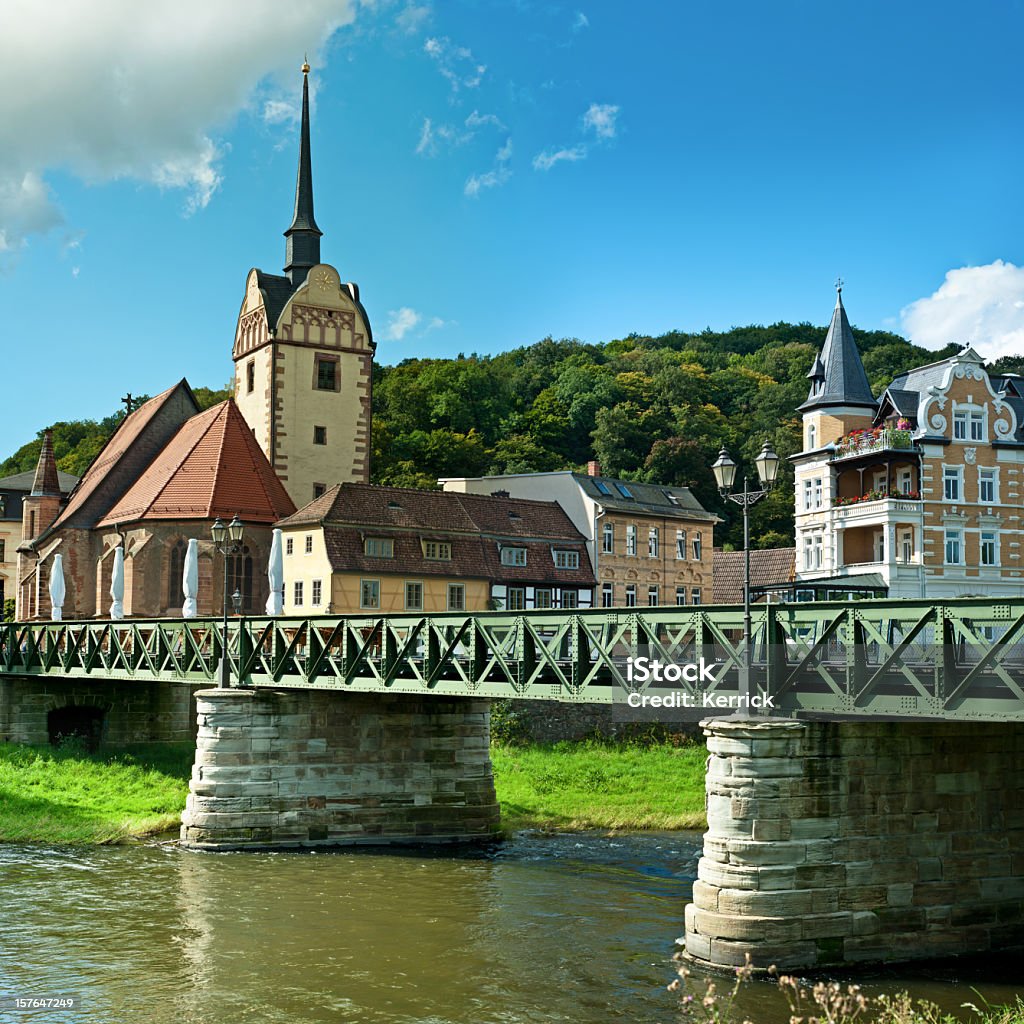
[(218, 464)]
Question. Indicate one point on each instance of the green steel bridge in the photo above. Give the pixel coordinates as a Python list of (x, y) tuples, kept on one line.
[(959, 659)]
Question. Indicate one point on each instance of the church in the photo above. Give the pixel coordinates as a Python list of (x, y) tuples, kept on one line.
[(299, 422)]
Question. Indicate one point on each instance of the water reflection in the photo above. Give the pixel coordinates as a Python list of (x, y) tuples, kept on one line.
[(563, 928)]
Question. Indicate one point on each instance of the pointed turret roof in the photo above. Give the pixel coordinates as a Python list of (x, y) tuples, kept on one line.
[(46, 480), (302, 249), (837, 376)]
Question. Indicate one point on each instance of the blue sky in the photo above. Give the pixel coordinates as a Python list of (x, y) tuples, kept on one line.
[(494, 171)]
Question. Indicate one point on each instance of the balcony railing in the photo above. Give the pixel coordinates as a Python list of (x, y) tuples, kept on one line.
[(877, 495), (866, 442)]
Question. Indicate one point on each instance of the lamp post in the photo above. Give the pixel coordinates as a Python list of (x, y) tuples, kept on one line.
[(228, 541), (724, 468)]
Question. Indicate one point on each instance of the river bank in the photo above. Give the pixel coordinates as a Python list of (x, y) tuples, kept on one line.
[(67, 795)]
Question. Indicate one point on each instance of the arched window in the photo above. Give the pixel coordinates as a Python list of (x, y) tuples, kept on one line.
[(812, 437), (240, 577), (175, 572)]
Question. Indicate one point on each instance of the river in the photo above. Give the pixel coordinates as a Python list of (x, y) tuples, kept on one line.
[(575, 928)]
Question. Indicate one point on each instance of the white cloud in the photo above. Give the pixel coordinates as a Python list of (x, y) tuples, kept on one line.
[(281, 111), (412, 18), (118, 90), (600, 119), (478, 120), (983, 306), (401, 321), (456, 63), (436, 323), (546, 160), (432, 136), (494, 178), (580, 22)]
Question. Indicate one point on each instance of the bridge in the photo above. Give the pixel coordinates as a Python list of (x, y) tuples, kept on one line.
[(960, 660), (877, 815)]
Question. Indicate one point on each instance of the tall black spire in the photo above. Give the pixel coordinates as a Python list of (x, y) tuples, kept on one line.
[(302, 248)]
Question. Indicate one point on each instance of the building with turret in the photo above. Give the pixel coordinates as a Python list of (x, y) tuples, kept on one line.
[(916, 493)]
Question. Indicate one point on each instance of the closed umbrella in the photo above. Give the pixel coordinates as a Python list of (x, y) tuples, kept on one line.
[(190, 579), (57, 588), (275, 573), (117, 584)]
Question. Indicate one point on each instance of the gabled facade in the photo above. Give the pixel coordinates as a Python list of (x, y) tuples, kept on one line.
[(648, 544), (303, 355), (918, 491), (364, 549)]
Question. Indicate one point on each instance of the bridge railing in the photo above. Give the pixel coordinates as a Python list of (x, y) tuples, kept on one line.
[(962, 658)]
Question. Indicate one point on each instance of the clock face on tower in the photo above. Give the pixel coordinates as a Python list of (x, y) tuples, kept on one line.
[(324, 280)]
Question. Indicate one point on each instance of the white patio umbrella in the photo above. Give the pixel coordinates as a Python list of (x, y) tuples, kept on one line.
[(57, 588), (190, 579), (117, 584), (275, 574)]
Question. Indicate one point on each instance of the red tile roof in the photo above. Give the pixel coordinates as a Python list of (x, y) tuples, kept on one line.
[(476, 526), (768, 567), (211, 467)]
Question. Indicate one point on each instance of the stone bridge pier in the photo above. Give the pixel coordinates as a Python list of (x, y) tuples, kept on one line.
[(836, 843), (301, 768)]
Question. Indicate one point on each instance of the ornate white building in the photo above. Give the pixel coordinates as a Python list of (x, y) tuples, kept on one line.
[(917, 492)]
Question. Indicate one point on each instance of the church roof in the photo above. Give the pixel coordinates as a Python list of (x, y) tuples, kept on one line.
[(841, 379), (126, 454), (211, 467)]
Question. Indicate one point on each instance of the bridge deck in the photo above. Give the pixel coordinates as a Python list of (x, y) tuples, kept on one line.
[(960, 659)]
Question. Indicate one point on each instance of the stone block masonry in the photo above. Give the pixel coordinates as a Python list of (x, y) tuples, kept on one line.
[(306, 768), (840, 843)]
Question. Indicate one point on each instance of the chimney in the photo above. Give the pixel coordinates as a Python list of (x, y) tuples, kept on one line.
[(593, 468)]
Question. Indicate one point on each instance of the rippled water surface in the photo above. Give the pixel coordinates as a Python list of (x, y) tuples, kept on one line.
[(563, 928)]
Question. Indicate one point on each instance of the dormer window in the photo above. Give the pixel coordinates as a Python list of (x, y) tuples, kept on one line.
[(513, 556), (437, 550), (379, 547), (567, 559)]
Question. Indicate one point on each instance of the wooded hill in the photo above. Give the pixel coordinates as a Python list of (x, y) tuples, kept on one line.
[(653, 409)]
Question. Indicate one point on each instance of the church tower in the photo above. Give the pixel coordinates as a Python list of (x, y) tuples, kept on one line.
[(303, 357)]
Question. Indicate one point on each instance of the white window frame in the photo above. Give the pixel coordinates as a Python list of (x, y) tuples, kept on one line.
[(460, 604), (289, 545), (817, 492), (698, 547), (566, 559), (653, 542), (905, 481), (680, 596), (570, 599), (953, 474), (812, 437), (680, 545), (607, 595), (316, 596), (309, 544), (953, 542), (513, 556), (653, 595), (297, 593), (520, 604), (608, 539), (630, 595), (631, 540), (695, 595), (542, 598), (993, 540), (808, 491), (988, 475)]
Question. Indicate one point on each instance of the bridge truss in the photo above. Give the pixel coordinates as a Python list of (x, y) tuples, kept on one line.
[(960, 659)]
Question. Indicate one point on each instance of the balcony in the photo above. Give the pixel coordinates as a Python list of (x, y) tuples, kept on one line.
[(877, 507), (873, 442)]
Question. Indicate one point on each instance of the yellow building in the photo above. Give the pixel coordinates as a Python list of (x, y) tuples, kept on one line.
[(392, 550)]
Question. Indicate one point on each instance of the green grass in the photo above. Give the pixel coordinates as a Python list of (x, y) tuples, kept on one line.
[(600, 785), (65, 795)]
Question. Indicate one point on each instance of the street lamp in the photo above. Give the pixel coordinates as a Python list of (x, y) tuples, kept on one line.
[(228, 541), (724, 468)]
